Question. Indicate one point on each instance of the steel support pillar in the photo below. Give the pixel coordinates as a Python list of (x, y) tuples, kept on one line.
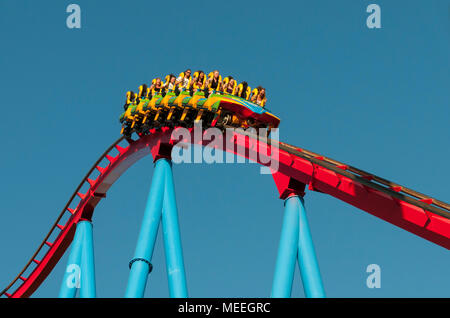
[(172, 242), (80, 270), (161, 203), (140, 265), (72, 274), (296, 242), (307, 260), (287, 251), (87, 289)]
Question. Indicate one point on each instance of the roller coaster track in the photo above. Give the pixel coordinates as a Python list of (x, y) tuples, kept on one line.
[(413, 211)]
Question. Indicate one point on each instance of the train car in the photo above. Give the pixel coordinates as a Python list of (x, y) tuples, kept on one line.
[(184, 109), (239, 112)]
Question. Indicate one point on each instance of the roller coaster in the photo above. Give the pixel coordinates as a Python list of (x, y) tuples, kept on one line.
[(154, 117)]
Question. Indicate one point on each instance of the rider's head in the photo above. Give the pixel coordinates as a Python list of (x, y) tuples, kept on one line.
[(262, 92)]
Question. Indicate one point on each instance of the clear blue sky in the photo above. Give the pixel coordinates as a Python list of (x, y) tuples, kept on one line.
[(376, 99)]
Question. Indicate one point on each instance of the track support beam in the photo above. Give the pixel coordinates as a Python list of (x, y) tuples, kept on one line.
[(71, 279), (296, 242), (307, 260), (172, 240), (161, 204), (80, 270), (87, 289), (287, 252), (140, 265)]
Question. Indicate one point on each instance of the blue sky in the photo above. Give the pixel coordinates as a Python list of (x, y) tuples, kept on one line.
[(375, 99)]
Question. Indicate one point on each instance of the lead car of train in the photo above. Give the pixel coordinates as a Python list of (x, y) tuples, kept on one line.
[(150, 108)]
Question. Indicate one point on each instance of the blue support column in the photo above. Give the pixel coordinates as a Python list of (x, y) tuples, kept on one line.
[(71, 279), (140, 265), (309, 267), (87, 289), (172, 241), (287, 250)]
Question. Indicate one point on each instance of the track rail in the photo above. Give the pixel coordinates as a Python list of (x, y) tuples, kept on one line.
[(416, 198), (64, 211), (370, 177), (408, 209)]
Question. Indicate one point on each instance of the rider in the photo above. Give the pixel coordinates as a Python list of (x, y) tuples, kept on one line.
[(230, 85), (214, 82), (170, 84), (184, 79), (199, 81), (129, 99), (157, 86), (260, 97)]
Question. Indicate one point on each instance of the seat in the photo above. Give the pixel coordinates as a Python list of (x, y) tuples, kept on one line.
[(226, 80), (210, 77), (243, 90)]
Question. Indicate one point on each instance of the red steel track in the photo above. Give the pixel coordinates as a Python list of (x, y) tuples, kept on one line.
[(412, 211)]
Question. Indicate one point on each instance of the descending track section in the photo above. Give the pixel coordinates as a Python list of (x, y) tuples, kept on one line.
[(415, 212)]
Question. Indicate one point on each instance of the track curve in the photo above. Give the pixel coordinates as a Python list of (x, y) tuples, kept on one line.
[(415, 212)]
